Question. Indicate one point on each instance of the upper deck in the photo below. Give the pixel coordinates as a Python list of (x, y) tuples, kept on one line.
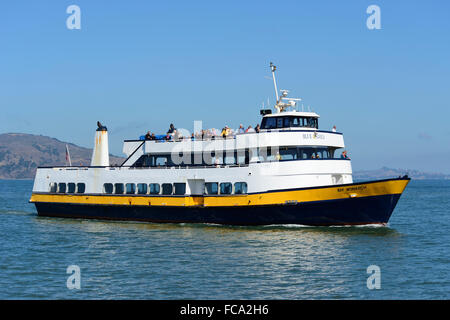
[(279, 137)]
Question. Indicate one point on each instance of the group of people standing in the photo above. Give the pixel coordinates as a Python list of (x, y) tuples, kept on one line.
[(209, 134), (226, 132)]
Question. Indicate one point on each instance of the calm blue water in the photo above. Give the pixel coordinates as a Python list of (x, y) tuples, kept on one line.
[(156, 261)]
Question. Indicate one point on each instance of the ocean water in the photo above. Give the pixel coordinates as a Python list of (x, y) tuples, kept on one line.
[(192, 261)]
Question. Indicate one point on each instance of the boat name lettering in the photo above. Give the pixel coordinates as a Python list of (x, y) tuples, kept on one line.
[(356, 188), (313, 136)]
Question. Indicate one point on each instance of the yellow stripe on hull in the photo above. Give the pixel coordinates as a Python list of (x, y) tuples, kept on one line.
[(356, 190)]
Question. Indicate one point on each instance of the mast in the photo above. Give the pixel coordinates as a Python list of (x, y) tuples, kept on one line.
[(273, 68), (280, 105)]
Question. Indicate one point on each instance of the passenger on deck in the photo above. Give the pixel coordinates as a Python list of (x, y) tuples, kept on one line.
[(278, 156), (241, 129), (213, 132), (250, 129), (334, 129), (225, 132), (257, 128), (171, 128), (168, 137), (148, 136), (344, 155), (176, 135), (153, 137)]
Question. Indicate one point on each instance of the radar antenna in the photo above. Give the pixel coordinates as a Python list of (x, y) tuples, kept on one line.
[(280, 105)]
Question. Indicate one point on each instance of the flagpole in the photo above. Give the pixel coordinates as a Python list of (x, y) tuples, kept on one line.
[(68, 156)]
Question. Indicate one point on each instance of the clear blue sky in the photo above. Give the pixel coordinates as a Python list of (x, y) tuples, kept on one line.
[(140, 65)]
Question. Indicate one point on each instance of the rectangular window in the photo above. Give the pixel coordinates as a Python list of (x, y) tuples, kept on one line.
[(287, 122), (211, 187), (269, 123), (240, 156), (240, 187), (161, 161), (53, 187), (118, 188), (81, 187), (142, 188), (108, 188), (288, 153), (279, 122), (230, 159), (61, 187), (226, 188), (308, 154), (131, 188), (154, 188), (71, 187), (144, 161), (167, 188), (180, 188)]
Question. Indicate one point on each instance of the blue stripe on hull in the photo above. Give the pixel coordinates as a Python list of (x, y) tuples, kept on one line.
[(351, 211)]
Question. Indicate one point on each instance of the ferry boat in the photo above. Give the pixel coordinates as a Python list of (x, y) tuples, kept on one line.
[(290, 172)]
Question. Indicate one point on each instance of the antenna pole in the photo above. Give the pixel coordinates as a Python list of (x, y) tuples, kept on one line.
[(68, 156), (273, 68)]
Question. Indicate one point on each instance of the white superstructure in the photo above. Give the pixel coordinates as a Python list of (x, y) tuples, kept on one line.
[(288, 152)]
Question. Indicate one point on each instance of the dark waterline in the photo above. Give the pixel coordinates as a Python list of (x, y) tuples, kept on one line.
[(193, 261)]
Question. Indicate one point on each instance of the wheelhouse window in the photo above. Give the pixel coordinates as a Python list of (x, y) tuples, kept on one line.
[(289, 121), (167, 188), (226, 188), (211, 187), (279, 122), (269, 123), (108, 188), (179, 189), (240, 187)]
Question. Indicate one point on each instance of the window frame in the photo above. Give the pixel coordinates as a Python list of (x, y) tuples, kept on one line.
[(81, 187), (179, 184), (150, 187), (226, 183), (241, 184), (166, 185), (132, 188), (116, 189)]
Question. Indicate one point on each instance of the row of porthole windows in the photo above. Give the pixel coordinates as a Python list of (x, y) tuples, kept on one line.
[(175, 188), (225, 188), (143, 188), (70, 187)]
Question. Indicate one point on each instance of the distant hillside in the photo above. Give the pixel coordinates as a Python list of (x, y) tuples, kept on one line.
[(21, 154), (385, 173)]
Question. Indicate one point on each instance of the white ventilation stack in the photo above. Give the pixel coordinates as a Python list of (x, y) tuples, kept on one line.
[(100, 155)]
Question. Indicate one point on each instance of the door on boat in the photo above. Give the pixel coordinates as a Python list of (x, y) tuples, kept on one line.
[(196, 189)]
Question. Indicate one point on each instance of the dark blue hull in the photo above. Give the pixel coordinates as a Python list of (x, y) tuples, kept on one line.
[(349, 211)]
